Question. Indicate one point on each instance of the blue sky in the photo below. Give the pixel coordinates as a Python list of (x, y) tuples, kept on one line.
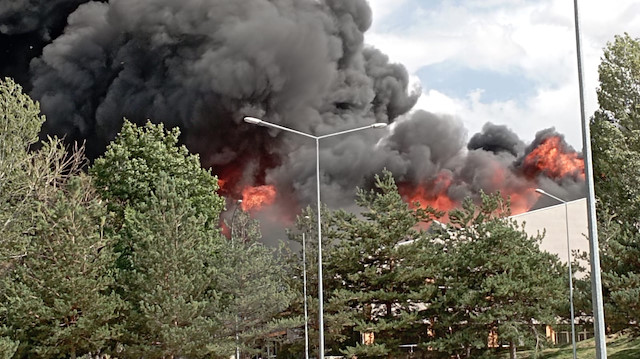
[(510, 62)]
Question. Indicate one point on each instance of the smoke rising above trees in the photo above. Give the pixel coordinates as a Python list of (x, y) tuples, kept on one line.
[(203, 65)]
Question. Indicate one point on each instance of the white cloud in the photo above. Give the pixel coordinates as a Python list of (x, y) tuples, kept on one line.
[(531, 39)]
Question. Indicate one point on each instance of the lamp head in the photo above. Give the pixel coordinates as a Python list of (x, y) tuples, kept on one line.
[(252, 120), (379, 125), (540, 191)]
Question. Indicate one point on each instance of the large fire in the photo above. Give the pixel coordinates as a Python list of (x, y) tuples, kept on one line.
[(517, 182), (254, 198), (552, 159), (433, 194)]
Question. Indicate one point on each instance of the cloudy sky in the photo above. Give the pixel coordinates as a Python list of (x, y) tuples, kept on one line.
[(510, 62)]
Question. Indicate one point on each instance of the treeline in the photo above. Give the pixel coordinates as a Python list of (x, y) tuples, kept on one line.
[(125, 257)]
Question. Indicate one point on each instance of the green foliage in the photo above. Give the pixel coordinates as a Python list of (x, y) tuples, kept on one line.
[(54, 256), (170, 286), (58, 298), (255, 289), (495, 278), (20, 123), (376, 270), (134, 162), (8, 346), (615, 130)]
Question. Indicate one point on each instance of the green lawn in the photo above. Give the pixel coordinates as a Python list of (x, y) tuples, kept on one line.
[(619, 346)]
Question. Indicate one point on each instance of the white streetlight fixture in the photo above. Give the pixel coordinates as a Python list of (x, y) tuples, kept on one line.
[(566, 224), (257, 121)]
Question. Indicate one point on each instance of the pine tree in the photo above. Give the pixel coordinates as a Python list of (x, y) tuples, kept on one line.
[(55, 297), (495, 279), (378, 268), (20, 122), (58, 296), (253, 278), (615, 129), (171, 288), (169, 244), (131, 168)]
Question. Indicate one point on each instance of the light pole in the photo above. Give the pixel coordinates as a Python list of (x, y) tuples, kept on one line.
[(594, 250), (233, 216), (257, 121), (304, 289), (566, 224)]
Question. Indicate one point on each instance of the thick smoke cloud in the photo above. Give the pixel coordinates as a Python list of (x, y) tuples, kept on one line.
[(24, 16), (496, 139), (26, 26), (204, 64)]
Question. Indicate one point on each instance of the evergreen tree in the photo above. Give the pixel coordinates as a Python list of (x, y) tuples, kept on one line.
[(20, 122), (58, 295), (54, 257), (378, 268), (169, 245), (495, 280), (134, 162), (615, 129), (253, 278), (171, 289)]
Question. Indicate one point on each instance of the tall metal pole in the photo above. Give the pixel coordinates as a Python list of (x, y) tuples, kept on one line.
[(573, 325), (233, 217), (259, 122), (594, 257), (304, 291), (566, 226), (320, 293)]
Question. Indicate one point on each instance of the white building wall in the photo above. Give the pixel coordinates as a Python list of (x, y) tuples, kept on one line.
[(553, 219)]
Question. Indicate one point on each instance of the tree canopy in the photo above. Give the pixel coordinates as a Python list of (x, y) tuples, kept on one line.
[(615, 129)]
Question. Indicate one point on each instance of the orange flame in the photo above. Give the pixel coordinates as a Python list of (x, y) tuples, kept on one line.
[(551, 158), (254, 198), (432, 194), (522, 195)]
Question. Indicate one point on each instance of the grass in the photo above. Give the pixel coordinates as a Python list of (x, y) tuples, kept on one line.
[(619, 346)]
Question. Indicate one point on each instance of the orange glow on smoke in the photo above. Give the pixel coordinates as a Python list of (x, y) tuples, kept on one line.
[(522, 197), (432, 194), (551, 159), (254, 198), (523, 200)]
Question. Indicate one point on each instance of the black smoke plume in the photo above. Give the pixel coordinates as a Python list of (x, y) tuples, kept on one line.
[(203, 65)]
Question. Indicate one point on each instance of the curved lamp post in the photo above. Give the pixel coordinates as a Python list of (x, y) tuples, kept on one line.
[(259, 122), (566, 224)]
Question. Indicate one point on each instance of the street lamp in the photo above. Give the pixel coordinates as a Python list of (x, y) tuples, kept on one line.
[(566, 224), (304, 281), (257, 121), (594, 251), (233, 216)]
